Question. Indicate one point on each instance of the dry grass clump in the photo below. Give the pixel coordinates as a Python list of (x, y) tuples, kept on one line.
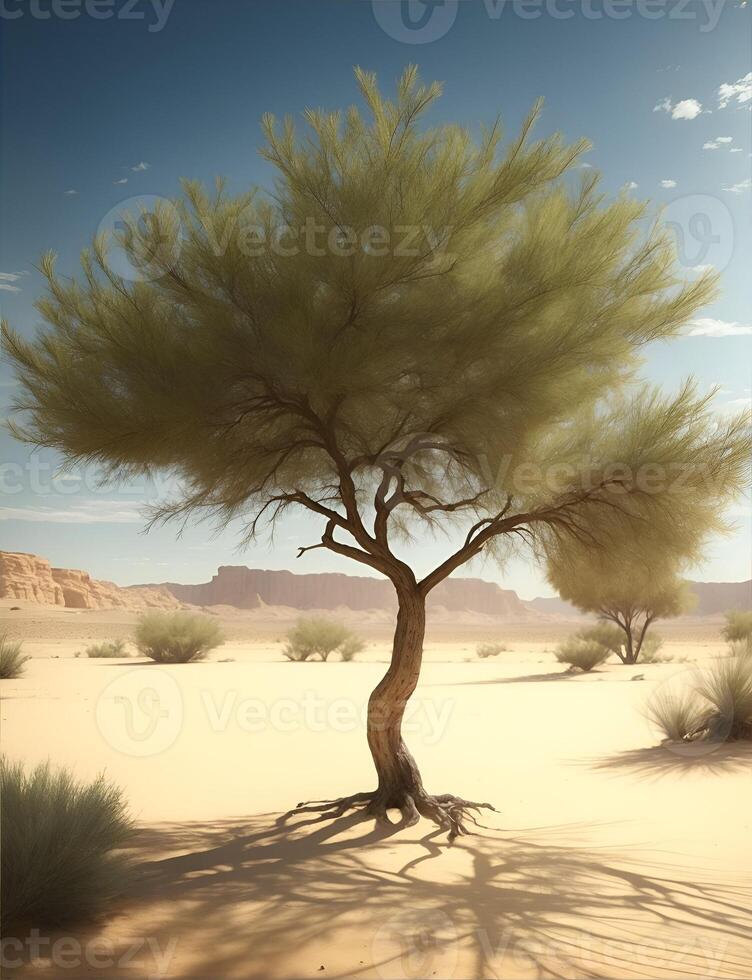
[(12, 660), (60, 846), (716, 706)]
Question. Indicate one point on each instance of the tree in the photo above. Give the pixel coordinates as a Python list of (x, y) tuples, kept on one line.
[(419, 329), (629, 583)]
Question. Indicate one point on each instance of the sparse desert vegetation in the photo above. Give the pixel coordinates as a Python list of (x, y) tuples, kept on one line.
[(61, 842), (319, 637), (486, 650), (715, 703), (108, 650), (582, 653), (12, 658), (177, 638)]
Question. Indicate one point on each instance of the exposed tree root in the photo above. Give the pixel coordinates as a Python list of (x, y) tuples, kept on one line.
[(450, 813)]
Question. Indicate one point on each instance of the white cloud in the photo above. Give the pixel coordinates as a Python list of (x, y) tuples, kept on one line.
[(718, 143), (736, 149), (739, 91), (631, 186), (743, 185), (70, 193), (668, 183), (684, 109), (7, 280), (81, 512), (710, 327), (123, 180), (140, 166)]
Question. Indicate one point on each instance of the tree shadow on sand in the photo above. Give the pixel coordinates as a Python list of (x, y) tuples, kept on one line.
[(287, 896), (706, 758)]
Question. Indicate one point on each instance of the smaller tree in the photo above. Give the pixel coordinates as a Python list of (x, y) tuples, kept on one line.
[(625, 582)]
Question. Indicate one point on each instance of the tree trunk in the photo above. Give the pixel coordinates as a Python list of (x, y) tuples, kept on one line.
[(398, 774), (400, 786)]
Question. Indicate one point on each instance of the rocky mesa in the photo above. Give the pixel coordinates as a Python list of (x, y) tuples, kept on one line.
[(29, 578), (250, 588)]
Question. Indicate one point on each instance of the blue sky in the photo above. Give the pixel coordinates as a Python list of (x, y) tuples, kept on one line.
[(97, 110)]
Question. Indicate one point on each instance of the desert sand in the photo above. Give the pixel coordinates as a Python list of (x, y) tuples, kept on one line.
[(609, 856)]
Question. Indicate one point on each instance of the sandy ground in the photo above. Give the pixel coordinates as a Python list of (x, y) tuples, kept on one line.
[(611, 856)]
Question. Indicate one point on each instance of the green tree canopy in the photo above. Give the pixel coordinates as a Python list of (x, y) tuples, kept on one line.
[(419, 325)]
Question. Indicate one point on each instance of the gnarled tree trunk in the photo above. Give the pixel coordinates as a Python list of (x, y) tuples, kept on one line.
[(400, 786), (398, 774)]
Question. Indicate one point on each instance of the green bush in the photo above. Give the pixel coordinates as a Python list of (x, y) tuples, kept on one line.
[(351, 648), (484, 650), (115, 648), (178, 637), (650, 650), (584, 654), (317, 636), (59, 843), (11, 659), (738, 628), (606, 635)]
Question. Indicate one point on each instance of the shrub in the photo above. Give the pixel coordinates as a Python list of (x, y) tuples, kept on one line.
[(679, 715), (59, 846), (11, 659), (115, 648), (319, 636), (177, 638), (718, 704), (606, 635), (727, 687), (738, 628), (584, 654), (650, 650), (484, 650), (351, 648), (741, 648)]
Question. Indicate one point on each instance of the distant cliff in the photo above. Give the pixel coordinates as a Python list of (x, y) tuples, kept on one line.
[(713, 599), (249, 588), (29, 578)]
